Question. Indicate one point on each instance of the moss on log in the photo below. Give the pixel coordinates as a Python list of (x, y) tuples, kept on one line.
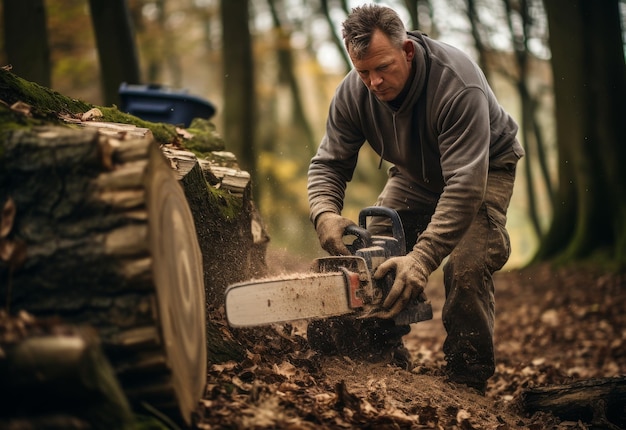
[(52, 107)]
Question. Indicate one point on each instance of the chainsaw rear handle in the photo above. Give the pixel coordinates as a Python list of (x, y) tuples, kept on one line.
[(363, 238), (395, 245)]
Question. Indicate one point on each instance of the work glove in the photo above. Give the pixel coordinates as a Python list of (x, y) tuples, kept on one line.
[(411, 279), (330, 229)]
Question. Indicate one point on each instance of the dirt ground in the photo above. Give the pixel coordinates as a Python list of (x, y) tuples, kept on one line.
[(553, 326)]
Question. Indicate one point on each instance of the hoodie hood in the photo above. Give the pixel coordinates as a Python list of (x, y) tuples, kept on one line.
[(413, 102)]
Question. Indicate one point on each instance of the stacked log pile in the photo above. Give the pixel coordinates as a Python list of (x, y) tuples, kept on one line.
[(97, 230)]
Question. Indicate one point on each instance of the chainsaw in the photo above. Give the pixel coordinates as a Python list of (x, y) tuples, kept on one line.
[(336, 285)]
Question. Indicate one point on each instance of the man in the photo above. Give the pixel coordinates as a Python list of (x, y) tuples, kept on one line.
[(427, 108)]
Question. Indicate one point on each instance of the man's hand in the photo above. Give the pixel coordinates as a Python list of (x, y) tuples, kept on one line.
[(411, 278), (330, 231)]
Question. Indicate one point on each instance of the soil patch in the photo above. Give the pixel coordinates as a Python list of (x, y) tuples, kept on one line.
[(553, 326)]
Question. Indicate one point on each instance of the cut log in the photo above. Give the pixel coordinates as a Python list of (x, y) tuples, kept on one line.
[(98, 231), (600, 402), (231, 233)]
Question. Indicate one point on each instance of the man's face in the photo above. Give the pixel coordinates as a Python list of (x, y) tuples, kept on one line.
[(385, 68)]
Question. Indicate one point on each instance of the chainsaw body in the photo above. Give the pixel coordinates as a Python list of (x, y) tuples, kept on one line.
[(335, 286)]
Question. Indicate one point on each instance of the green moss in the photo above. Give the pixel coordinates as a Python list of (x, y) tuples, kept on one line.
[(49, 105), (230, 206), (10, 120), (205, 138), (163, 133), (45, 102)]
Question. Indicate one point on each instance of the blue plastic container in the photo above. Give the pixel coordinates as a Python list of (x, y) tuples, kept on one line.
[(156, 103)]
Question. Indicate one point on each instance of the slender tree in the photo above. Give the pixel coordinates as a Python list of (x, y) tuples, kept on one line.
[(288, 76), (169, 54), (116, 46), (530, 127), (239, 112), (335, 36), (477, 30), (26, 39)]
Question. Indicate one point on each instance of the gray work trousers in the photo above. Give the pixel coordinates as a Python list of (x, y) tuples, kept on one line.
[(469, 310)]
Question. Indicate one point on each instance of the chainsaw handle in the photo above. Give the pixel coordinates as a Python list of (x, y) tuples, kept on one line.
[(363, 238), (397, 247)]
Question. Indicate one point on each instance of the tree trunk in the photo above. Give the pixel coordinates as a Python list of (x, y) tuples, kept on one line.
[(600, 402), (590, 93), (116, 47), (336, 38), (98, 231), (26, 39), (231, 235), (239, 110), (287, 75)]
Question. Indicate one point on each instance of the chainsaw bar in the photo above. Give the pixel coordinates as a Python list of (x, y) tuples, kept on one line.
[(289, 298)]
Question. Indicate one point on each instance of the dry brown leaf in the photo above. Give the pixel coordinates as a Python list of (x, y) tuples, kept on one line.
[(288, 386), (184, 133), (7, 217), (285, 369), (13, 251), (22, 108), (244, 386), (227, 366), (91, 114), (6, 249), (71, 118)]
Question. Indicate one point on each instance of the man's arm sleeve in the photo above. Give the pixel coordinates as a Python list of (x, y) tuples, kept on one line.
[(333, 165), (464, 148)]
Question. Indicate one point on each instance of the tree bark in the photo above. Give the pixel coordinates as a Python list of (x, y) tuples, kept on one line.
[(97, 231), (117, 51), (56, 373), (26, 39), (231, 234), (590, 95), (239, 110), (287, 75)]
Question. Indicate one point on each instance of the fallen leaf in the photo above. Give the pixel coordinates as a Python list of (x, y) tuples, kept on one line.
[(22, 108), (6, 249), (285, 369), (7, 217), (92, 113), (184, 133)]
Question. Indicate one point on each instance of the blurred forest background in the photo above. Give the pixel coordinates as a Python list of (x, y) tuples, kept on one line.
[(271, 67)]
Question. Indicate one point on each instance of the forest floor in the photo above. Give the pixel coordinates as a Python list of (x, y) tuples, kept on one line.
[(553, 326)]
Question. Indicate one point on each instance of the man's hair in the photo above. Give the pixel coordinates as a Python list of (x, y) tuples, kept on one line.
[(364, 20)]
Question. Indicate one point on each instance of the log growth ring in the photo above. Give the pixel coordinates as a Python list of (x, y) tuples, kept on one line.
[(178, 275)]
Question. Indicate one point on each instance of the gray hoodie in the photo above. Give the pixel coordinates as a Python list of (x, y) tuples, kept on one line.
[(446, 135)]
